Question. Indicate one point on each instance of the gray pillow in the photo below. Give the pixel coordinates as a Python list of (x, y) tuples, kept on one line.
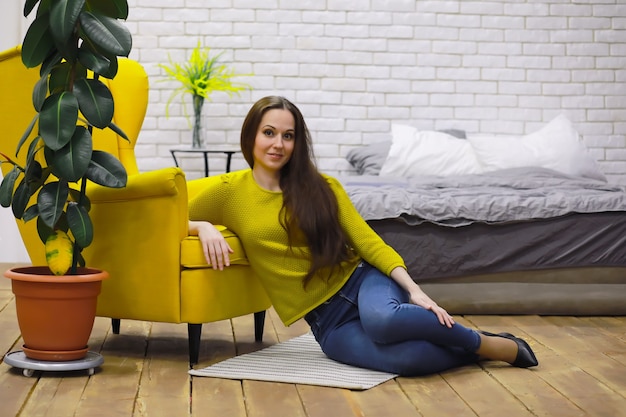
[(370, 158), (367, 160)]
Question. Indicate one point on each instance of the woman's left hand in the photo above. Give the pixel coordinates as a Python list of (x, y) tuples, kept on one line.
[(421, 299)]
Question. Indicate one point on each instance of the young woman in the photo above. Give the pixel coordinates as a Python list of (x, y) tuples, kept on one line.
[(319, 260)]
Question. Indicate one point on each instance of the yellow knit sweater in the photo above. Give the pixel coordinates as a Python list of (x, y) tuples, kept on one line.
[(236, 201)]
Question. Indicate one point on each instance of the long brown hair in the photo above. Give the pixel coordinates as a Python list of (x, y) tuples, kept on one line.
[(309, 204)]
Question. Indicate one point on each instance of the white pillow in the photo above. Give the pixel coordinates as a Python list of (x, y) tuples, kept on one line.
[(417, 153), (556, 146)]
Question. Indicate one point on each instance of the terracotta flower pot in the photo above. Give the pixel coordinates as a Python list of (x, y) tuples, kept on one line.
[(55, 313)]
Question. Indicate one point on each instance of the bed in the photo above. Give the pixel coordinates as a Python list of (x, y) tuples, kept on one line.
[(498, 225)]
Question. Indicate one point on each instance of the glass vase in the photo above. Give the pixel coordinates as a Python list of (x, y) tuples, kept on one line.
[(197, 141)]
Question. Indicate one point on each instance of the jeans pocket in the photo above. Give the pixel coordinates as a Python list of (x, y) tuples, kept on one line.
[(313, 320)]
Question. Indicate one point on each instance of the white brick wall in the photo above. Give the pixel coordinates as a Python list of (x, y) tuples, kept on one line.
[(356, 66)]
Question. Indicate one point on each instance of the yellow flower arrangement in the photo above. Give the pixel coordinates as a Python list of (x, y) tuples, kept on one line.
[(200, 76)]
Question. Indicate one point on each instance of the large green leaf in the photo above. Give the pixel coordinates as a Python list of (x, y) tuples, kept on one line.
[(96, 62), (40, 92), (20, 199), (108, 34), (113, 67), (51, 201), (112, 8), (31, 213), (95, 102), (35, 146), (33, 175), (7, 185), (26, 134), (64, 74), (100, 61), (44, 6), (60, 77), (44, 231), (68, 49), (29, 5), (50, 62), (63, 17), (71, 161), (57, 120), (38, 42), (106, 170), (80, 224), (118, 130)]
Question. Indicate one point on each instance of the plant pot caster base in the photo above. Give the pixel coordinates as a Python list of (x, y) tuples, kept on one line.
[(19, 360)]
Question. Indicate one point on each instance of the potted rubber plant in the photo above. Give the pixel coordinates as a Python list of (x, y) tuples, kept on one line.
[(199, 77), (73, 43)]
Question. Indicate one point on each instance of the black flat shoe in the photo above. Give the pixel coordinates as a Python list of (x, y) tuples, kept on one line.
[(503, 334), (525, 356)]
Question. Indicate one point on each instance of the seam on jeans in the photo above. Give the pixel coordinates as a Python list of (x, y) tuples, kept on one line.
[(345, 297)]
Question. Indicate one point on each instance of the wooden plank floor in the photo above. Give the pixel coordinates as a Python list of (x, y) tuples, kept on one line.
[(582, 372)]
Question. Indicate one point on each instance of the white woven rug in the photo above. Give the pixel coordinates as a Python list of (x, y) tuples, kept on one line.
[(297, 361)]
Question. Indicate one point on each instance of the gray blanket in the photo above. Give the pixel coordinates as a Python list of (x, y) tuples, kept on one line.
[(500, 196)]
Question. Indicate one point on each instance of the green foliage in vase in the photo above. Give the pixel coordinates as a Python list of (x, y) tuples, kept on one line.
[(199, 77)]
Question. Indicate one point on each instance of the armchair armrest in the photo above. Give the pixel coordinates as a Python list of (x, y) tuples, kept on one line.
[(166, 181), (192, 256)]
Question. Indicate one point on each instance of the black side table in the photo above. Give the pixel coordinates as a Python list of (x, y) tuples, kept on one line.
[(205, 153)]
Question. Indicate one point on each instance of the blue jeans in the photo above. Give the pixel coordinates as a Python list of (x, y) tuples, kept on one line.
[(369, 323)]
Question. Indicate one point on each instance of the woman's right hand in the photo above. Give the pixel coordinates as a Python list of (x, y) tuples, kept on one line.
[(214, 246)]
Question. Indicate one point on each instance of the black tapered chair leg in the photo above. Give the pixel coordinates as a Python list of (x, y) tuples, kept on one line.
[(194, 332), (115, 325), (259, 323)]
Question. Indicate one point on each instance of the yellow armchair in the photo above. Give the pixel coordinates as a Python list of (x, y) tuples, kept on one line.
[(157, 272)]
